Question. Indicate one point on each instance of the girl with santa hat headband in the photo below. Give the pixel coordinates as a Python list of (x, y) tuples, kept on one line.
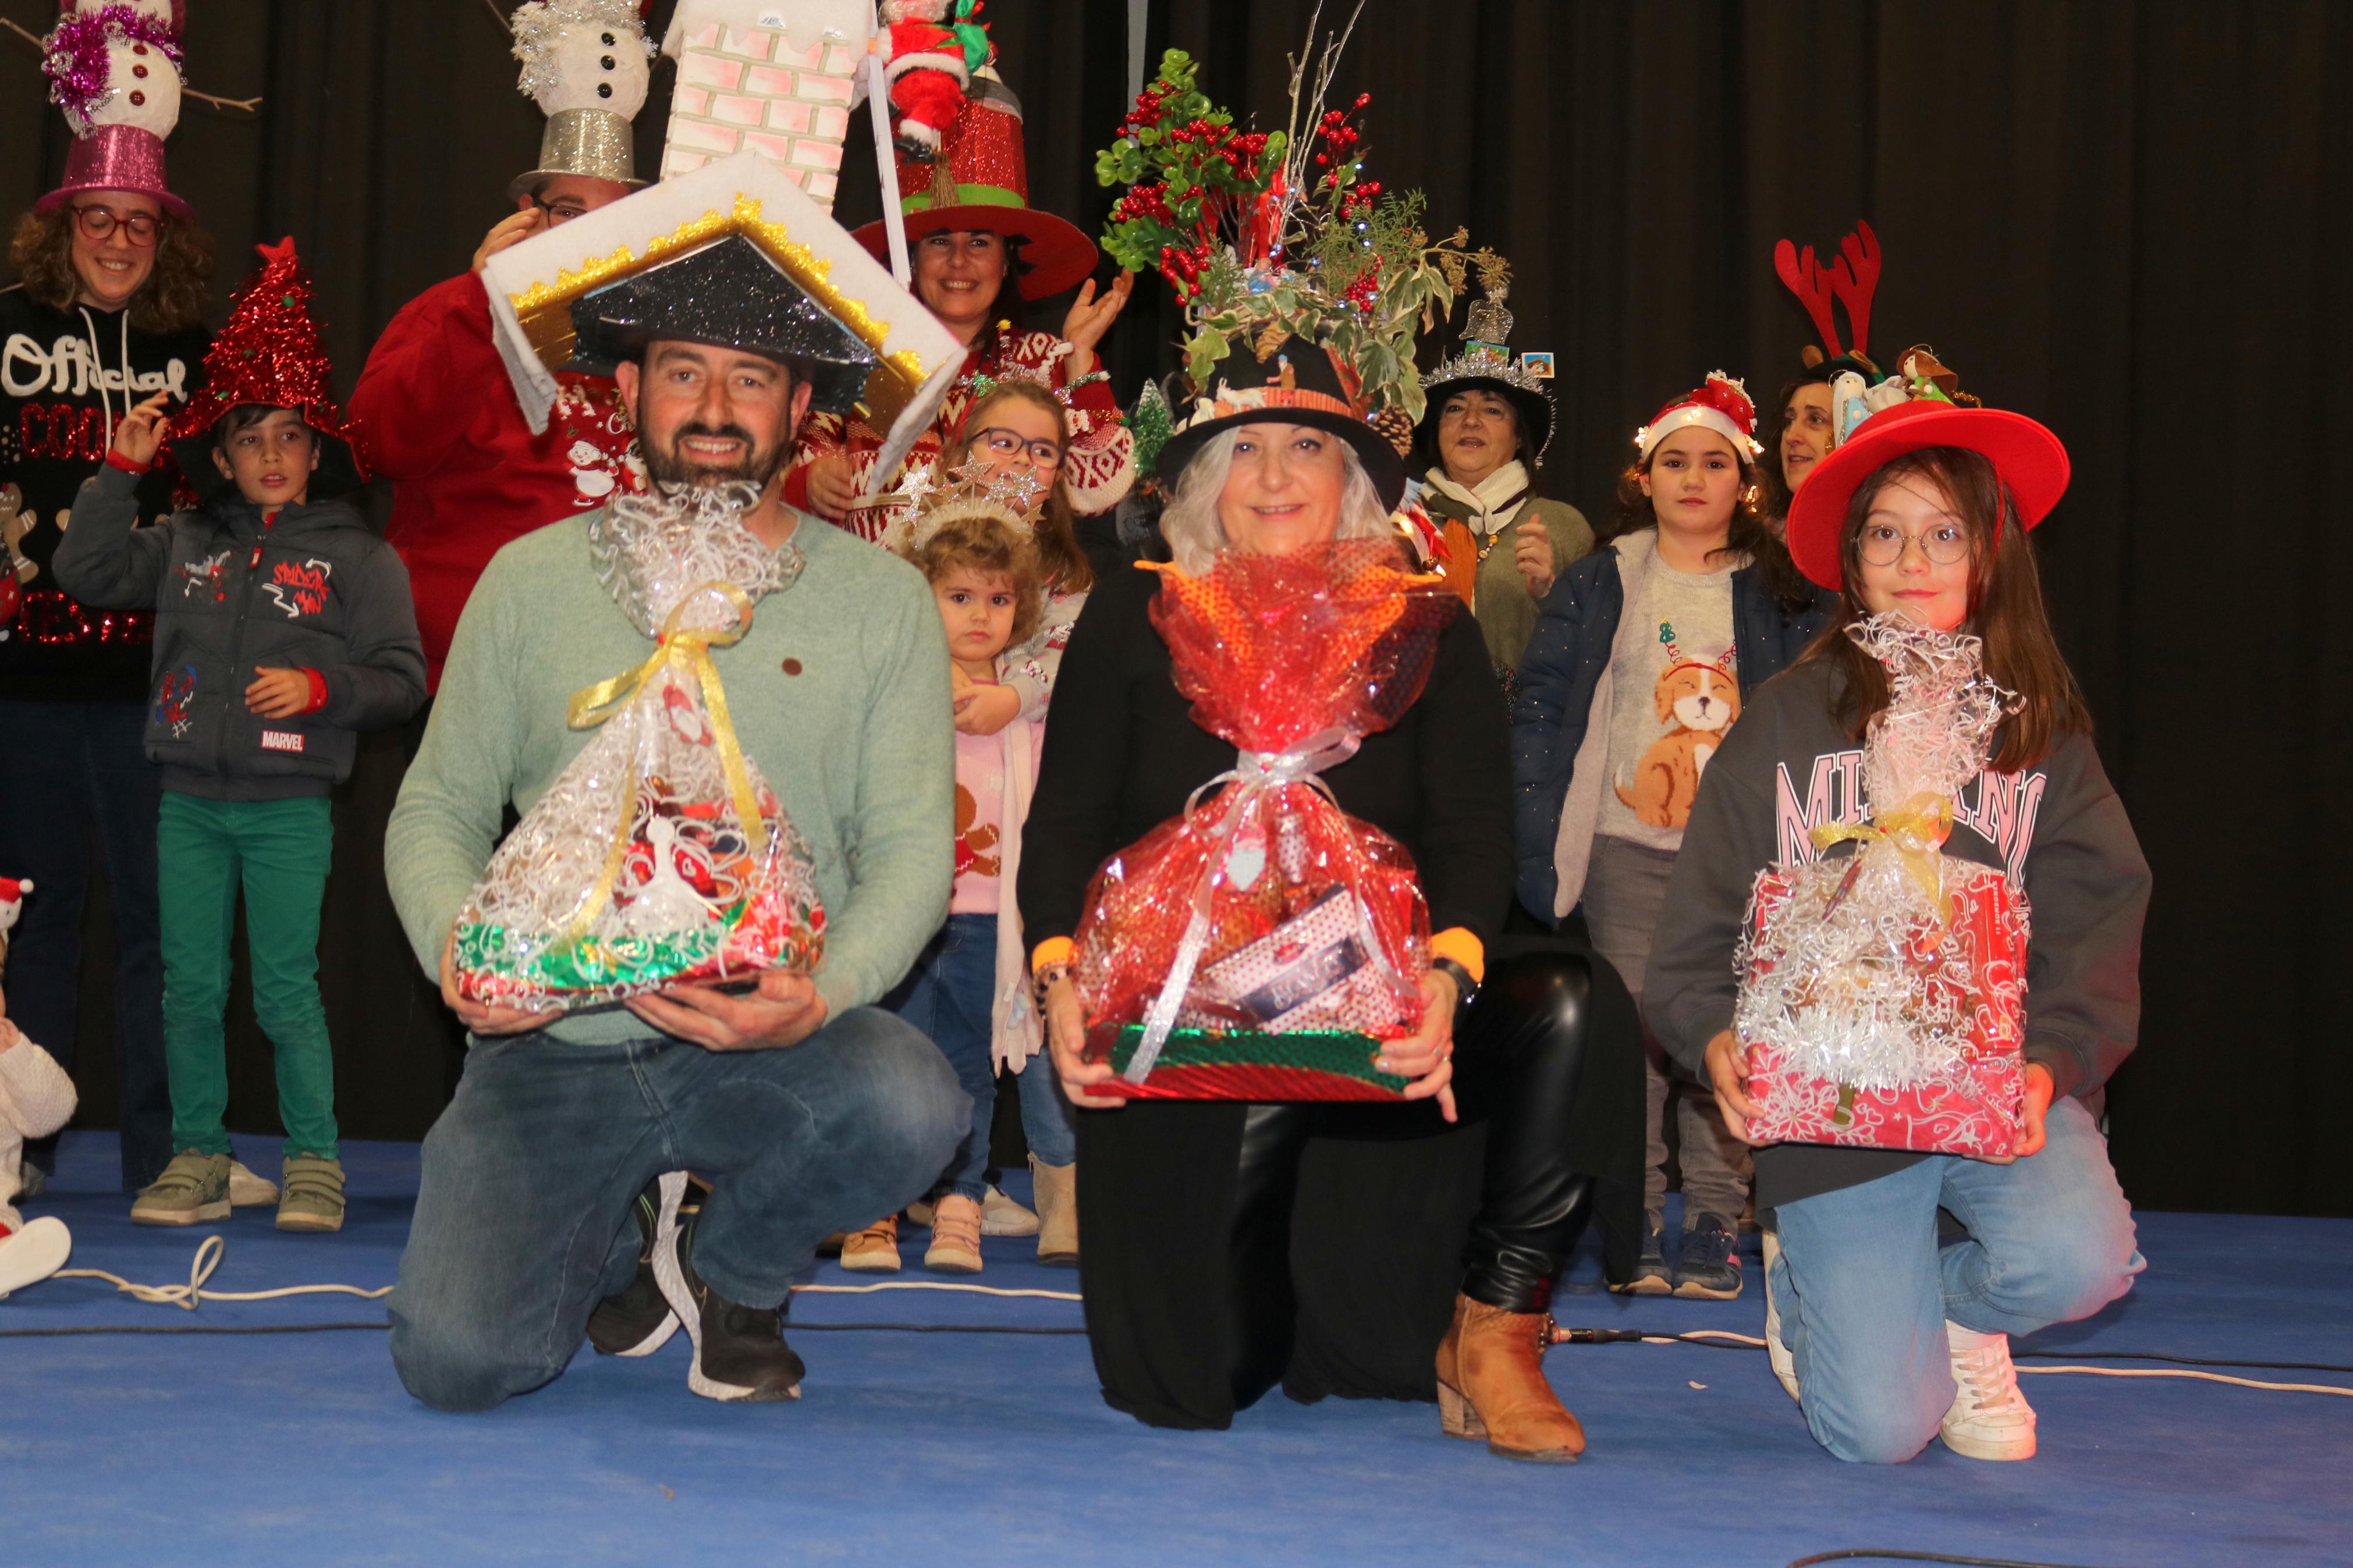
[(1645, 651)]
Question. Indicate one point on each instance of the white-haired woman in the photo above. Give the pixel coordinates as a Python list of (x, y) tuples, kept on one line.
[(1327, 1246)]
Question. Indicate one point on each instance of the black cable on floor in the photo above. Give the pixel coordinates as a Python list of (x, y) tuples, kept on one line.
[(1636, 1336), (1865, 1553)]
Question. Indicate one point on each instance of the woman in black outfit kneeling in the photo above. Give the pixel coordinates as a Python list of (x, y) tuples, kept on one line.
[(1324, 1245)]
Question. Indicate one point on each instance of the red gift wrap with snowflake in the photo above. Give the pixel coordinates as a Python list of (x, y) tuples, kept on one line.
[(1262, 944)]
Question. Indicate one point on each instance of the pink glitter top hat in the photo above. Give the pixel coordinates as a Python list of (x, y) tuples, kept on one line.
[(115, 71)]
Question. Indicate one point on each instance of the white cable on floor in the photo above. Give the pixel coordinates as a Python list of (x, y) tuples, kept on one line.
[(187, 1297), (935, 1285)]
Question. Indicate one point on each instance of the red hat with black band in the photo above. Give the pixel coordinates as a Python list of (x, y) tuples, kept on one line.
[(2029, 460)]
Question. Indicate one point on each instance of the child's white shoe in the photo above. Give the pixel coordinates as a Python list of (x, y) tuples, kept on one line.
[(1989, 1418), (33, 1254), (246, 1190), (1785, 1365)]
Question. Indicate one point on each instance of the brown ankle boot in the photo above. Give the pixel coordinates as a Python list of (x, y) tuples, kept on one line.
[(1490, 1384)]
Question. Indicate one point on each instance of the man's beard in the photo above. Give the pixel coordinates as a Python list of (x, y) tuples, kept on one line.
[(670, 469)]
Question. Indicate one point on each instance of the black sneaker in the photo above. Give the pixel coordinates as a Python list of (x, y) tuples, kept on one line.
[(1650, 1277), (639, 1321), (1709, 1266), (739, 1352)]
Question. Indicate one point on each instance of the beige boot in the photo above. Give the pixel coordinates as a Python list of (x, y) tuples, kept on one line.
[(1056, 1188), (875, 1249), (956, 1236), (1490, 1384)]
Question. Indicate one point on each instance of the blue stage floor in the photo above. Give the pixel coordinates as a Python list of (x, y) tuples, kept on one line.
[(971, 1449)]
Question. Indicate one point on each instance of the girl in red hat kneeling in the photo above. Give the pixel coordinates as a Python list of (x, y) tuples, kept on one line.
[(1918, 519)]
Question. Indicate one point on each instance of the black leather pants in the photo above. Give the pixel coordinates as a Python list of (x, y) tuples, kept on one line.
[(1517, 1054)]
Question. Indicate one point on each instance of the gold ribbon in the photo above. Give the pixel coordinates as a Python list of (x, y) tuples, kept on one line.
[(687, 650), (1916, 830)]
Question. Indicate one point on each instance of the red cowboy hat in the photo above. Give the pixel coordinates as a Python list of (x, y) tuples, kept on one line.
[(981, 182), (2031, 464)]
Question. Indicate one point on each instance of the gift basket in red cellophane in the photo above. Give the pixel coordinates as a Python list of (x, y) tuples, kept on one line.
[(661, 856), (1260, 945), (1883, 997)]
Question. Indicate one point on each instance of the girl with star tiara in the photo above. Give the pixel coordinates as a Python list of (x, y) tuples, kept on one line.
[(983, 545)]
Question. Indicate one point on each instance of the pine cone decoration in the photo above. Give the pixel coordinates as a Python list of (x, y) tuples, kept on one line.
[(1392, 423)]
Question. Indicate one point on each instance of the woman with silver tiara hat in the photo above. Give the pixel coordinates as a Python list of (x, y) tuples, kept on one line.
[(1483, 435), (113, 277), (980, 251)]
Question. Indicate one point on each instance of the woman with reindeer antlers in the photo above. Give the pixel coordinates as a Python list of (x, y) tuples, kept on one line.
[(1645, 654)]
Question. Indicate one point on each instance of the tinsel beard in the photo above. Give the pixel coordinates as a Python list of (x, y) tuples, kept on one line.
[(670, 470)]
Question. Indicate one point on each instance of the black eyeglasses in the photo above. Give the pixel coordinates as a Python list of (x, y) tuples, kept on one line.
[(560, 211), (1000, 442), (98, 222)]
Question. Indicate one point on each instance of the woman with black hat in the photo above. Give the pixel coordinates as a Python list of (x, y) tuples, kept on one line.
[(1199, 1299), (979, 250), (1483, 433)]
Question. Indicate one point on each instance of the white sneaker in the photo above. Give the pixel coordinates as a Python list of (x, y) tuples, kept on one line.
[(1989, 1418), (1001, 1216), (1785, 1365), (247, 1191), (33, 1254)]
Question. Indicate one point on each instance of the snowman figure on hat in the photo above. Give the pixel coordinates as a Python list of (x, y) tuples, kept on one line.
[(36, 1099), (116, 64)]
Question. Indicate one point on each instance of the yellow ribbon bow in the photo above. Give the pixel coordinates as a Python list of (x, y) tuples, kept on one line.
[(1916, 830), (687, 650)]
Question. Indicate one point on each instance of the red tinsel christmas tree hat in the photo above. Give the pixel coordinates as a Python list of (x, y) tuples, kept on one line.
[(270, 354)]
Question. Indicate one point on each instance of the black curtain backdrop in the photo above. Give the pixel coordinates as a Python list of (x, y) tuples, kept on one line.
[(2116, 217)]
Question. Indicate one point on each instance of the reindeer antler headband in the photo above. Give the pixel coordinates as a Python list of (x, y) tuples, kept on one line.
[(1850, 280)]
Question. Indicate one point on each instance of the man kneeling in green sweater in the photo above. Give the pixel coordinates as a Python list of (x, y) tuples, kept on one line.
[(548, 1205)]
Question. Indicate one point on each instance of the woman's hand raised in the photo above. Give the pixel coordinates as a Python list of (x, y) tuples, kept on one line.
[(1427, 1056)]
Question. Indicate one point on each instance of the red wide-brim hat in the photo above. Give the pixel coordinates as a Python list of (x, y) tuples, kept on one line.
[(2029, 459), (982, 161)]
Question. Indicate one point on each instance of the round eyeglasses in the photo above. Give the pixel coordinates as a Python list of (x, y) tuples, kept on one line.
[(98, 222), (1884, 544)]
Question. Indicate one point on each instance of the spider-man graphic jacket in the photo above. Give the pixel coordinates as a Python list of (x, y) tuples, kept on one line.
[(310, 589)]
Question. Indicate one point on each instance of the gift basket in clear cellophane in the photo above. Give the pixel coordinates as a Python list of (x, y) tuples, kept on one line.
[(1883, 995), (661, 855), (1261, 945)]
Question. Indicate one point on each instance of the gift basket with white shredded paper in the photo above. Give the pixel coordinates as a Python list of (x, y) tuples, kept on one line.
[(1882, 994)]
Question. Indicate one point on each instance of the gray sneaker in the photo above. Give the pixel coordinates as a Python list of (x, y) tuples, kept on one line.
[(1709, 1266), (192, 1190), (1651, 1275), (314, 1195), (31, 1180)]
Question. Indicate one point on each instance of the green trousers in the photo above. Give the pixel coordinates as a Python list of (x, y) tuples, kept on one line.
[(278, 851)]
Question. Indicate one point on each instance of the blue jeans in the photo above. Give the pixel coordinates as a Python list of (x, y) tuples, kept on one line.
[(949, 996), (523, 1217), (1864, 1292), (70, 766)]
